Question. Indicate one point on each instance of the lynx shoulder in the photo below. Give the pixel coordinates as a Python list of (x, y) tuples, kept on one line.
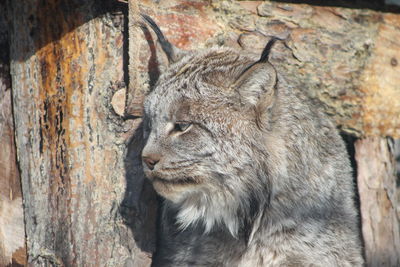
[(251, 172)]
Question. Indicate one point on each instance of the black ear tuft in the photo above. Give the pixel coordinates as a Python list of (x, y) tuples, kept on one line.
[(267, 49), (166, 45), (173, 53), (256, 84)]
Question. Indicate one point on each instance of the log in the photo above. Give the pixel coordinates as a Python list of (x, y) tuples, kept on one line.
[(346, 59), (85, 201), (376, 177), (12, 230)]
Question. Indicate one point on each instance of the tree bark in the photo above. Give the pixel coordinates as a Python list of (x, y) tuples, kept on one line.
[(376, 179), (82, 205), (346, 59), (12, 231)]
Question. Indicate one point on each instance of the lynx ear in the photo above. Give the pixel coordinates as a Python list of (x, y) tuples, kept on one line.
[(257, 82), (173, 53)]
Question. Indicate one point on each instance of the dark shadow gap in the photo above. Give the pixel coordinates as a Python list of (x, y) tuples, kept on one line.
[(125, 45), (396, 153), (139, 206), (349, 141)]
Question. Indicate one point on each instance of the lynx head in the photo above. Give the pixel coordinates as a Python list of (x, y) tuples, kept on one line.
[(203, 123)]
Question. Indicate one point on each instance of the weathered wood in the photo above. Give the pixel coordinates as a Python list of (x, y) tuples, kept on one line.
[(134, 95), (347, 59), (378, 201), (82, 206), (12, 231)]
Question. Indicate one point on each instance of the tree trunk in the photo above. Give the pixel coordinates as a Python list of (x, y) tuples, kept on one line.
[(83, 206), (378, 201)]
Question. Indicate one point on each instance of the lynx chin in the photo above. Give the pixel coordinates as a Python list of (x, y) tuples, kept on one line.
[(251, 172)]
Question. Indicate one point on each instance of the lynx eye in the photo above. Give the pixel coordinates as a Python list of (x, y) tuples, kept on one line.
[(182, 126)]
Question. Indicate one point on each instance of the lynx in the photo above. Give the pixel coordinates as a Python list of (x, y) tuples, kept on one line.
[(251, 172)]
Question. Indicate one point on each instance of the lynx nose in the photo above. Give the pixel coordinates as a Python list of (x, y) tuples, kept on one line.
[(151, 160)]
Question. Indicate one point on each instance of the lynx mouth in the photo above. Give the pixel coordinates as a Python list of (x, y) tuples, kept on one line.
[(180, 181)]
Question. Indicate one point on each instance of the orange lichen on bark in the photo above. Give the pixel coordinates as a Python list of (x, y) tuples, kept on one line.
[(185, 30), (381, 82)]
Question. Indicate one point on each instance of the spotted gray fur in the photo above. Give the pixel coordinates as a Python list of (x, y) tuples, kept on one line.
[(252, 173)]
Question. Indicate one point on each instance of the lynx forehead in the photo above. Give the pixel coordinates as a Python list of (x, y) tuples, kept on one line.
[(252, 173)]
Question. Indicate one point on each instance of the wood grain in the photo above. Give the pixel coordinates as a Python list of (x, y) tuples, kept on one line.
[(378, 201)]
